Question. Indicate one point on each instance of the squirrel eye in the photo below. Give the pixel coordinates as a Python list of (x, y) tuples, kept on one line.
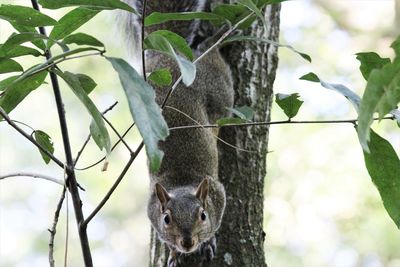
[(203, 216), (166, 219)]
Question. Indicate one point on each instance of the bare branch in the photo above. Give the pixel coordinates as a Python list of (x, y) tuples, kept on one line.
[(33, 175), (119, 136), (115, 185), (30, 138), (89, 136), (247, 124), (53, 229)]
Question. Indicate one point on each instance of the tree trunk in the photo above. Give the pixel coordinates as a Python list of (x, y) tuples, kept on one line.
[(241, 236), (240, 240)]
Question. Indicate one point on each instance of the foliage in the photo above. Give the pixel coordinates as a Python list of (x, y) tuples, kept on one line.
[(382, 93)]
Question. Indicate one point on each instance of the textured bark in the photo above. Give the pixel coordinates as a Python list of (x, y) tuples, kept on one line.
[(240, 239), (241, 236)]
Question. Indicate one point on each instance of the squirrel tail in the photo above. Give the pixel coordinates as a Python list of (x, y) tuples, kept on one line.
[(193, 31)]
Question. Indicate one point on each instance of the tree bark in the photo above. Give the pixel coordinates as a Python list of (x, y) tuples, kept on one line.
[(241, 236), (240, 240)]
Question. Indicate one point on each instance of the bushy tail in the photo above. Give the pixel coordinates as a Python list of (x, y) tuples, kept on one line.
[(193, 31)]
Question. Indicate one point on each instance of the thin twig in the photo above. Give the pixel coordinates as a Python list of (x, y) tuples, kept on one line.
[(53, 229), (114, 186), (66, 233), (117, 133), (33, 175), (89, 135), (112, 149), (247, 124), (22, 123), (201, 126), (30, 138)]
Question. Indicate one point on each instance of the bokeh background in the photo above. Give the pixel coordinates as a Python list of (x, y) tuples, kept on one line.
[(321, 208)]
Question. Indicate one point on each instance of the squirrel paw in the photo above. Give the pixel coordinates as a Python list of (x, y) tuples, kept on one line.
[(208, 249), (172, 262), (172, 258)]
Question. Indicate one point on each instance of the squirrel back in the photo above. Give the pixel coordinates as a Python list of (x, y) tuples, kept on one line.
[(187, 200)]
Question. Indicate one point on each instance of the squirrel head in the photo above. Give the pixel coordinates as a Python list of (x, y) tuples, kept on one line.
[(184, 222)]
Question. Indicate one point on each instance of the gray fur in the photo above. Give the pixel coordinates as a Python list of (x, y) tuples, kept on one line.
[(190, 155)]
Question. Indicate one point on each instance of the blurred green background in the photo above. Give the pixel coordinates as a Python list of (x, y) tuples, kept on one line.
[(321, 208)]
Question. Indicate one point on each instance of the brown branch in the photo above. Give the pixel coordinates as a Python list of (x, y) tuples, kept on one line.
[(30, 138), (33, 175), (89, 136), (112, 149), (71, 180), (247, 124), (117, 133), (53, 229), (115, 185)]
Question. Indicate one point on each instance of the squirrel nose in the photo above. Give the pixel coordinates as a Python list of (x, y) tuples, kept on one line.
[(187, 242)]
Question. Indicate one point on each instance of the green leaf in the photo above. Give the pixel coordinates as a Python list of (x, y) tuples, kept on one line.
[(87, 83), (39, 43), (8, 65), (253, 7), (396, 47), (161, 77), (343, 90), (6, 82), (381, 95), (158, 42), (178, 43), (144, 109), (82, 39), (383, 166), (261, 3), (17, 91), (158, 18), (25, 16), (45, 141), (98, 130), (370, 61), (71, 22), (311, 77), (20, 38), (243, 112), (98, 4), (231, 12), (262, 40), (229, 120), (290, 104), (19, 51)]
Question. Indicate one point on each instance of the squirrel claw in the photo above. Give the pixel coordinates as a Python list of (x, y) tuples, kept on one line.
[(208, 249), (172, 262)]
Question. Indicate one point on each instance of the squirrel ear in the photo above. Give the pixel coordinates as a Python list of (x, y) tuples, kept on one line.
[(202, 191), (162, 195)]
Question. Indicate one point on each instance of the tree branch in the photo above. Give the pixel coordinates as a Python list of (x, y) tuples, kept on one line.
[(33, 175), (53, 229), (30, 138), (71, 179), (247, 124), (89, 136), (115, 185)]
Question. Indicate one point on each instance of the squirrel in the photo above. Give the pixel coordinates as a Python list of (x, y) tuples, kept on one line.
[(187, 201)]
